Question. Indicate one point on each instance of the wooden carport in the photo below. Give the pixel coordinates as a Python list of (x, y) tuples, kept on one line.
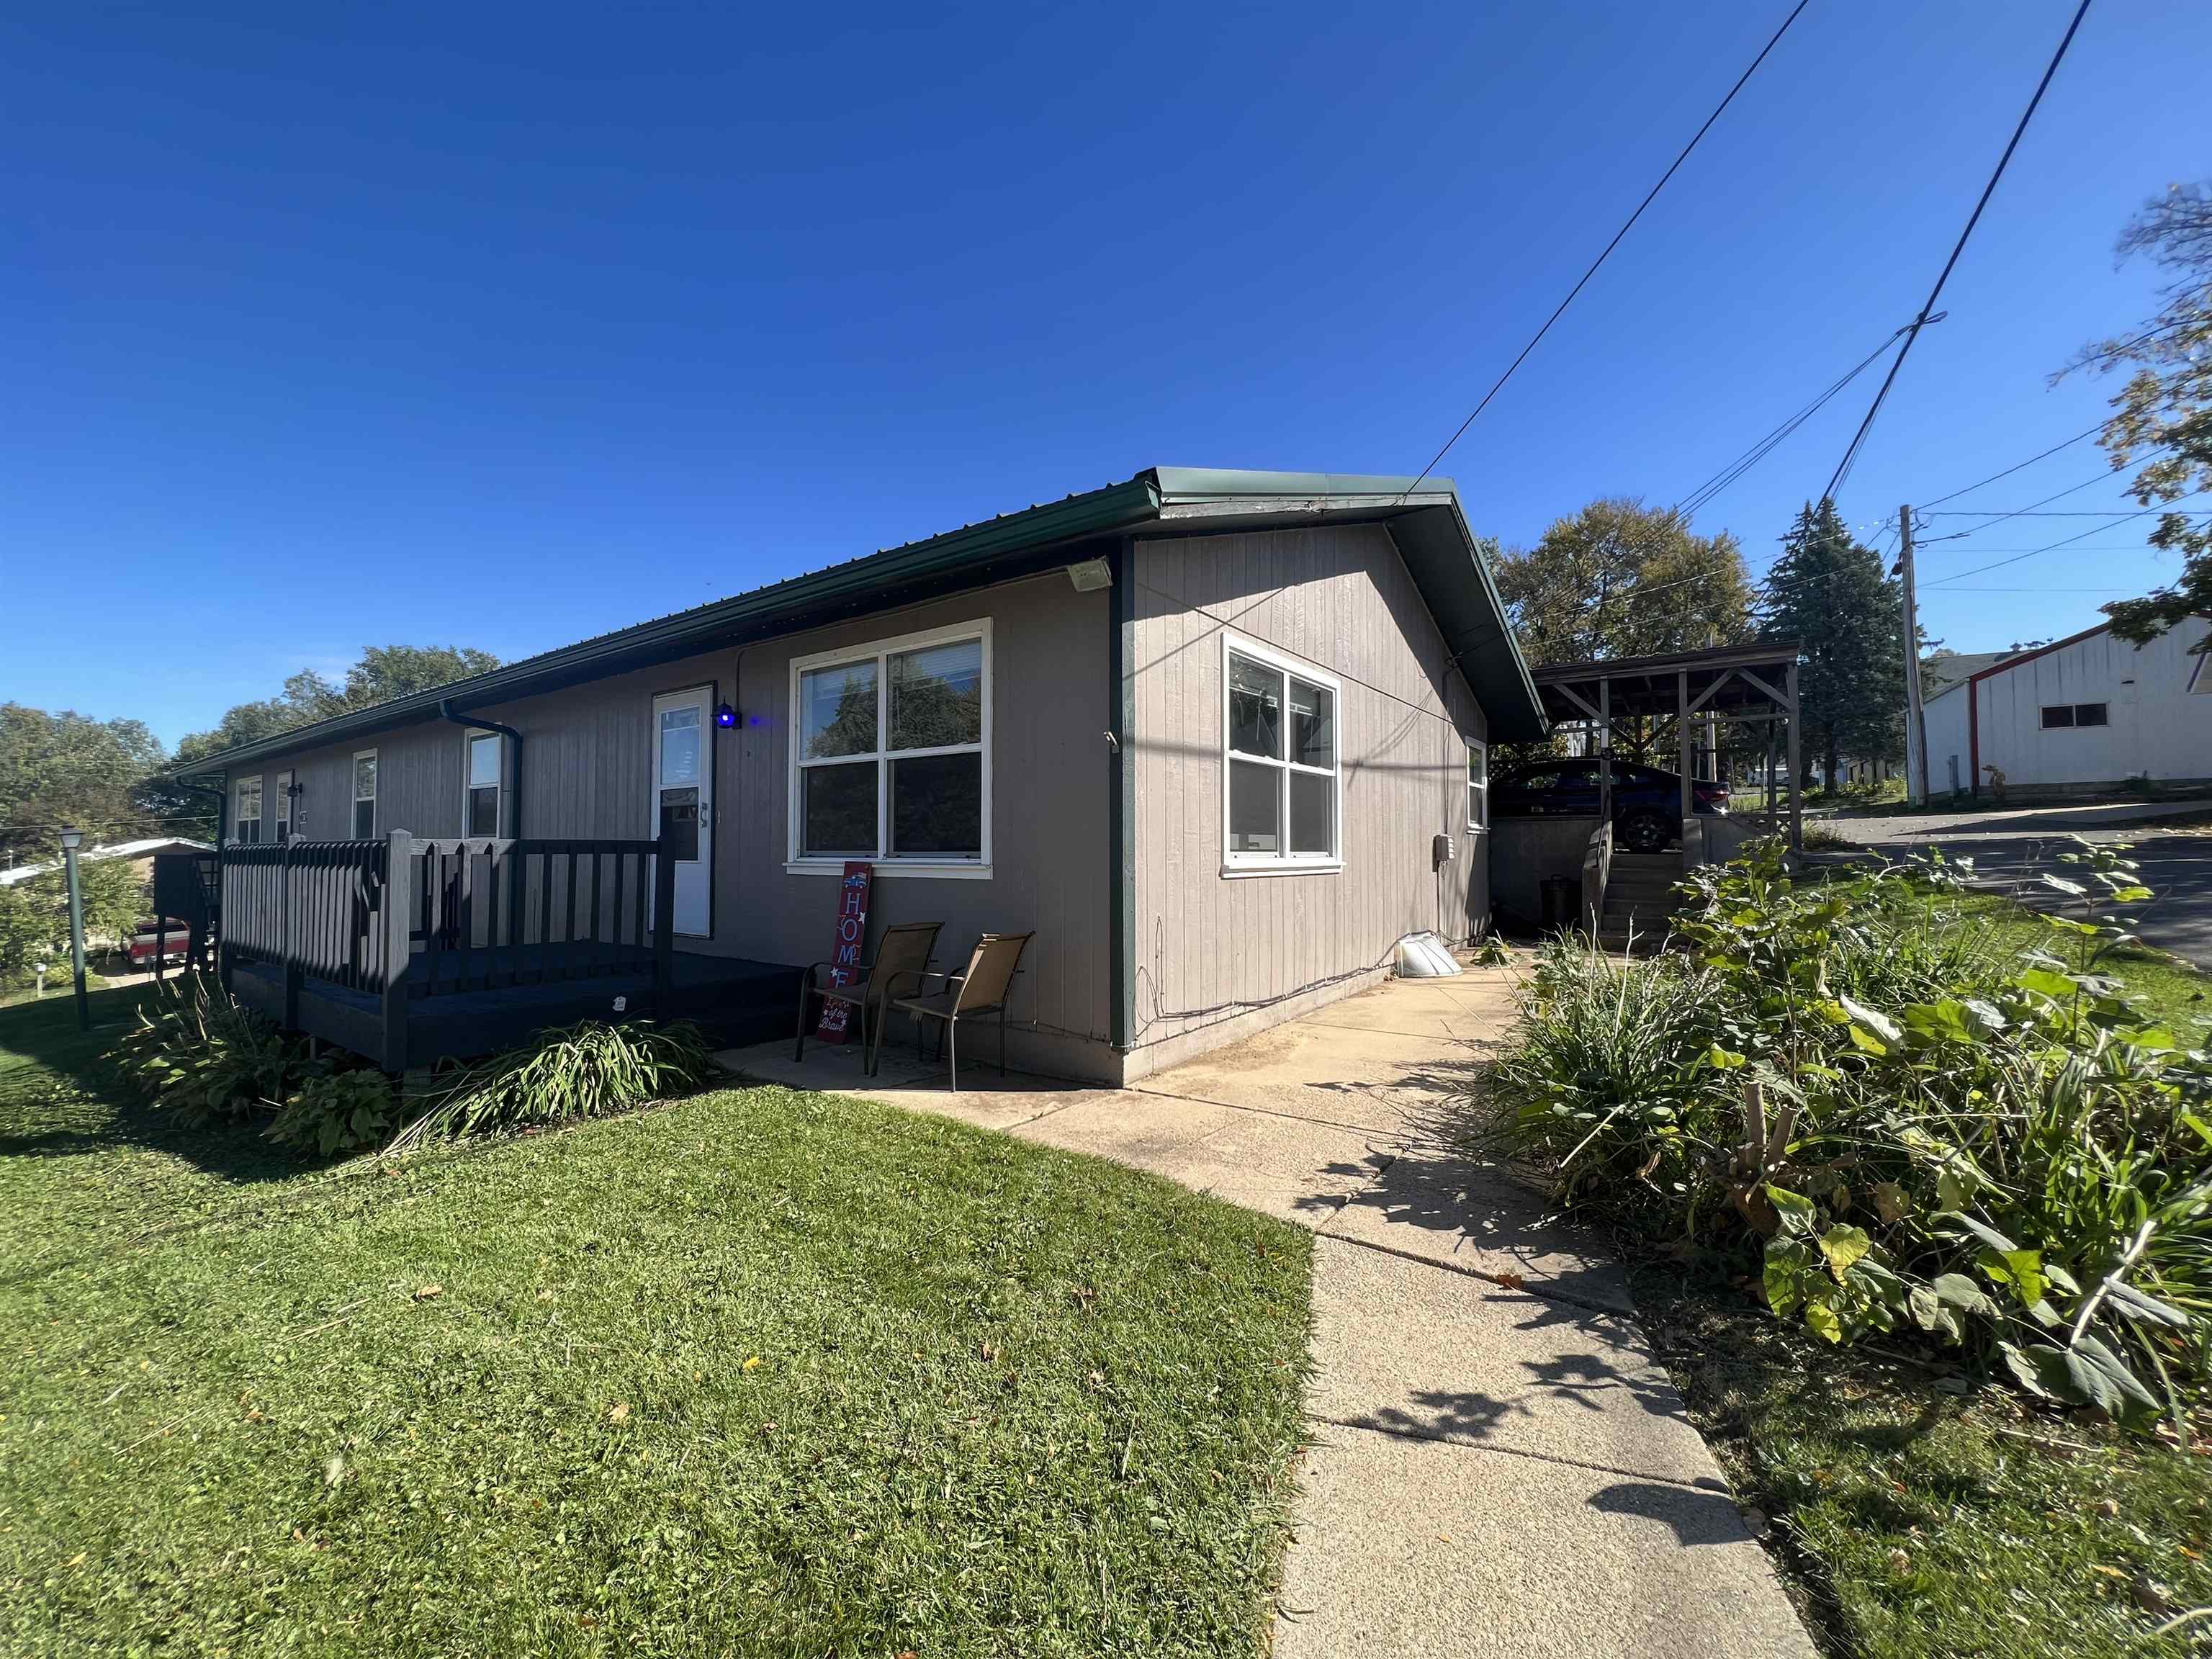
[(1746, 683)]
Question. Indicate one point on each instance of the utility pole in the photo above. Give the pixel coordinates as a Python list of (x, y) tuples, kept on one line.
[(71, 839), (1916, 718)]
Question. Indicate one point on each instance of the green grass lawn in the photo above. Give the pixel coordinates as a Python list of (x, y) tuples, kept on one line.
[(2173, 989), (762, 1372), (1915, 1523)]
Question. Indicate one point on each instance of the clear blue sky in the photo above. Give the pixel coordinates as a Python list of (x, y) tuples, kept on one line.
[(502, 326)]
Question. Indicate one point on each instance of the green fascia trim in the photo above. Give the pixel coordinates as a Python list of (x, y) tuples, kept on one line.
[(1099, 512), (1500, 681)]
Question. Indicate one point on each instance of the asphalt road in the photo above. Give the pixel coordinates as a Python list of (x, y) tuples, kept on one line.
[(2020, 845)]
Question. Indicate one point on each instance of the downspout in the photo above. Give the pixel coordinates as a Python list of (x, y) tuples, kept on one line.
[(1121, 798), (514, 773)]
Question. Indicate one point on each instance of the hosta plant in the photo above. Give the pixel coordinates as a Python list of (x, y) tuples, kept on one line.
[(335, 1112)]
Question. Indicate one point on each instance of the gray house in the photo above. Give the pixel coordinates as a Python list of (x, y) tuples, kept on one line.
[(1219, 737)]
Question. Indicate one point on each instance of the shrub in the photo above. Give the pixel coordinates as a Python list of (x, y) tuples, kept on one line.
[(198, 1053), (586, 1071), (335, 1111), (1897, 1125)]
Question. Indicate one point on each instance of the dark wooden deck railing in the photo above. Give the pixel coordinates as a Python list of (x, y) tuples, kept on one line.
[(405, 919)]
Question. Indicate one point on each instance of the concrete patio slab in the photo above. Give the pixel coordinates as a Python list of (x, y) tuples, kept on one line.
[(1379, 1081), (1425, 1549), (1287, 1166)]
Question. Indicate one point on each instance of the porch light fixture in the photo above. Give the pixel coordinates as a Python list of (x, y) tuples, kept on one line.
[(725, 715), (1090, 575)]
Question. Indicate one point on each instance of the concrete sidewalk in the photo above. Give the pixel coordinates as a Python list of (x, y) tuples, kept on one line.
[(1498, 1466)]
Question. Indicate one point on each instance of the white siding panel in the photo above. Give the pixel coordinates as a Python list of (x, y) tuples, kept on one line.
[(2157, 728)]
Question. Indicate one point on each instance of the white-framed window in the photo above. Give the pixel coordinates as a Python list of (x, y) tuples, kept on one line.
[(364, 795), (2059, 716), (485, 778), (1478, 786), (284, 800), (246, 814), (891, 754), (1281, 785)]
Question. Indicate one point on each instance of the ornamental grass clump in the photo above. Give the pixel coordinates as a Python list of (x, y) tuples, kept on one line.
[(563, 1076), (1897, 1125)]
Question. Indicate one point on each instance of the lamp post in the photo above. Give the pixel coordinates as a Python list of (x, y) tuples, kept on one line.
[(71, 839)]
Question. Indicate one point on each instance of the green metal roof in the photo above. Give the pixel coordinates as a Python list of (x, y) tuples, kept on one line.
[(1427, 523)]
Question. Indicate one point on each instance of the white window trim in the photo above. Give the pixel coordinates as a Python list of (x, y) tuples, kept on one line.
[(469, 736), (1236, 865), (286, 825), (797, 863), (238, 808), (1478, 822), (354, 821)]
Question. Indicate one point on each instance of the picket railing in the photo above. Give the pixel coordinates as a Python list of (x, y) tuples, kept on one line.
[(463, 915)]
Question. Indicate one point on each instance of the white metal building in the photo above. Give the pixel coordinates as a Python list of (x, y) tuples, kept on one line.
[(2078, 712)]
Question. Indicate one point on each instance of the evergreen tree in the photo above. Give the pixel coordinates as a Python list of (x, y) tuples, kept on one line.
[(1829, 592)]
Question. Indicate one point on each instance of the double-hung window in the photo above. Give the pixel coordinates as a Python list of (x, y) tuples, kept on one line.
[(246, 824), (486, 774), (1281, 794), (891, 754), (364, 795), (287, 792), (1477, 787)]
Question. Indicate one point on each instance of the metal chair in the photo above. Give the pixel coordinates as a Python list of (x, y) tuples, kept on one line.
[(903, 951), (980, 988)]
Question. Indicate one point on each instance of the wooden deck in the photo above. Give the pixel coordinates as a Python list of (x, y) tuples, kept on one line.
[(410, 951), (735, 1002)]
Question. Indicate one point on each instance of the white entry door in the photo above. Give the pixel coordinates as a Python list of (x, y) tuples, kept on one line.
[(682, 804)]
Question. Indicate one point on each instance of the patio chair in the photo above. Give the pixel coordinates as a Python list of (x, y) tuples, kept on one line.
[(903, 951), (981, 988)]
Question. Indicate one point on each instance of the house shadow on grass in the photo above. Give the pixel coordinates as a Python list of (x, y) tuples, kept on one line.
[(60, 1097)]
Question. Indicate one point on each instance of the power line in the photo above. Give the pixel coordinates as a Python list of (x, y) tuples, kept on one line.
[(2009, 470), (1704, 493), (1844, 466), (2054, 546), (2030, 513), (2031, 510), (1609, 246)]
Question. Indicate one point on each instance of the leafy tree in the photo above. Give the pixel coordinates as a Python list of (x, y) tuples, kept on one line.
[(1620, 579), (34, 914), (384, 672), (1830, 592), (2163, 423), (26, 932), (58, 770), (1617, 579)]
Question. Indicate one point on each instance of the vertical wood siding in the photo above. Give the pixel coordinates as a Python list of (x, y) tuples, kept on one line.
[(1215, 951), (586, 771)]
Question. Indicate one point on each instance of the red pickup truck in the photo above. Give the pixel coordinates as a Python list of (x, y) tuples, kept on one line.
[(173, 944)]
